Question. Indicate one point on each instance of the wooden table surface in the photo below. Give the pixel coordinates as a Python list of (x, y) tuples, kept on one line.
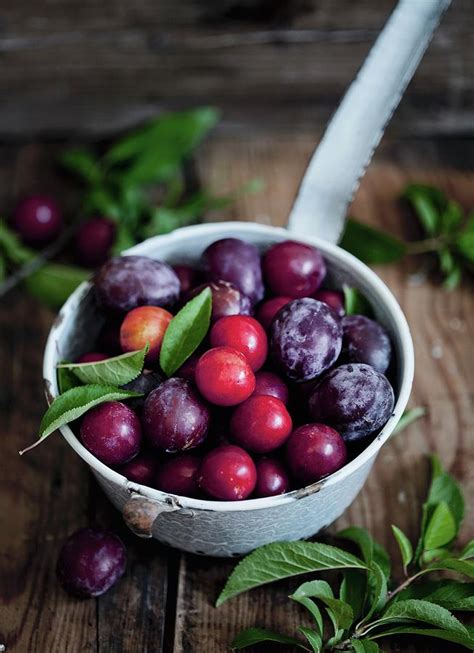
[(165, 601)]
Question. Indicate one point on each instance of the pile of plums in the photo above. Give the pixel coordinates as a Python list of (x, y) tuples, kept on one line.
[(274, 396)]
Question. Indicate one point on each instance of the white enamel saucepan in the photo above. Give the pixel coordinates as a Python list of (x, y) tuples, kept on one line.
[(225, 528)]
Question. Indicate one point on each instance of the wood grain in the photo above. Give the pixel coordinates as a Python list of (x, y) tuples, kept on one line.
[(165, 602), (92, 68)]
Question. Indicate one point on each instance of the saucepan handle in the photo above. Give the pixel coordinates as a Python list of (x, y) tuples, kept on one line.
[(356, 128)]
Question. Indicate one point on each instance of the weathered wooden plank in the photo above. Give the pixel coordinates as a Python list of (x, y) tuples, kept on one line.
[(440, 323), (96, 68)]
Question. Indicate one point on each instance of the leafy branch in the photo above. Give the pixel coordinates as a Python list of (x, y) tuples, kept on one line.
[(139, 183), (369, 605), (449, 235)]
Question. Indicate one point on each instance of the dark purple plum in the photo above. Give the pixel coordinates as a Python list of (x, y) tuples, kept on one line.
[(314, 451), (178, 475), (94, 241), (175, 418), (354, 399), (237, 262), (365, 341), (141, 469), (293, 269), (272, 478), (267, 383), (226, 299), (112, 432), (145, 382), (125, 282), (305, 339), (333, 298), (188, 277), (90, 562), (38, 219)]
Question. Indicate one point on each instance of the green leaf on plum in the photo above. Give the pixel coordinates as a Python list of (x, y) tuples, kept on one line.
[(73, 404), (66, 379), (185, 332), (283, 560), (468, 551), (117, 371), (371, 245)]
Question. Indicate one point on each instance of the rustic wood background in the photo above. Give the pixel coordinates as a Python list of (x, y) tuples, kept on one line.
[(90, 67), (82, 70)]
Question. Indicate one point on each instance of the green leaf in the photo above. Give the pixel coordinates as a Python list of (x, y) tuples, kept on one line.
[(429, 203), (468, 551), (316, 588), (465, 240), (443, 488), (353, 590), (3, 268), (283, 560), (312, 608), (313, 638), (355, 303), (154, 152), (66, 379), (424, 611), (303, 594), (404, 545), (364, 646), (118, 370), (185, 332), (362, 539), (101, 200), (433, 555), (74, 403), (446, 635), (53, 283), (165, 219), (12, 246), (83, 163), (371, 245), (378, 590), (382, 559), (123, 239), (253, 636), (453, 279), (463, 567), (441, 528), (451, 217), (340, 612), (409, 416), (450, 594)]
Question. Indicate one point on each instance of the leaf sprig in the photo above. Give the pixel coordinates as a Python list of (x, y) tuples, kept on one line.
[(83, 386), (448, 234), (140, 182), (369, 605)]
